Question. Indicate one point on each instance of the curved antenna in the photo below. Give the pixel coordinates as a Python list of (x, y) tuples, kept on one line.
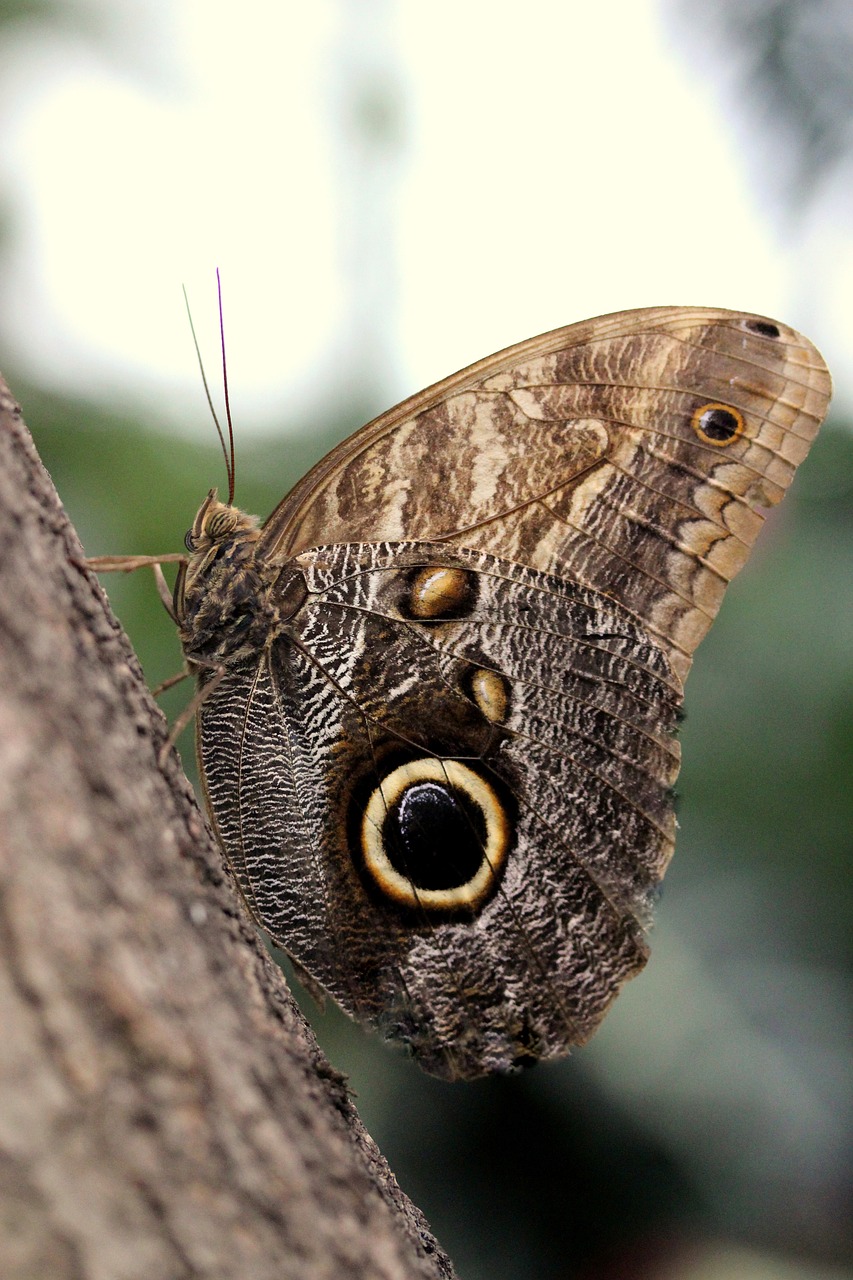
[(227, 450), (230, 468)]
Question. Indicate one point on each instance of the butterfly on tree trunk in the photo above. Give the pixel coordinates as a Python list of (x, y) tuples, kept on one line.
[(439, 686)]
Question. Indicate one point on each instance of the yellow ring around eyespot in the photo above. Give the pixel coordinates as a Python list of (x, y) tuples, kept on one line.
[(696, 423), (390, 791)]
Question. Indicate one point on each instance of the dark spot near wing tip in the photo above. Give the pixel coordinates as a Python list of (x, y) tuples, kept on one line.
[(765, 327)]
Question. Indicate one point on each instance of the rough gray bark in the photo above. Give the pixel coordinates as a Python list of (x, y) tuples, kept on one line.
[(164, 1110)]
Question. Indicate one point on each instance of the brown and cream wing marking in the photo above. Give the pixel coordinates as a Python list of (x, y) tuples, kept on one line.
[(632, 453)]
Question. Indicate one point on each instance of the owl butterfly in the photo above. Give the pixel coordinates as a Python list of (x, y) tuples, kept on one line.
[(439, 686)]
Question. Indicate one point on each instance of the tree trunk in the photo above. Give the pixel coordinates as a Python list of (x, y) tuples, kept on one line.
[(164, 1109)]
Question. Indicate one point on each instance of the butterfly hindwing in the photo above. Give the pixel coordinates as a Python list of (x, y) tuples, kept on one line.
[(523, 737)]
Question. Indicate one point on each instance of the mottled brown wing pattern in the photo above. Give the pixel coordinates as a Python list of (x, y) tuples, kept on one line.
[(440, 684), (582, 453), (576, 747)]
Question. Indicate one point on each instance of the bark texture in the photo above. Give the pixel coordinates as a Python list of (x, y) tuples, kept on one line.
[(164, 1109)]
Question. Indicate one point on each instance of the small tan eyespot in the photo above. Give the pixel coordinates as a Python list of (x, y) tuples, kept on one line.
[(490, 691), (439, 592), (717, 424), (434, 836)]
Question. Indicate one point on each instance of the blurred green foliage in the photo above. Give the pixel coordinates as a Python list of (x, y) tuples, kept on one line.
[(773, 771)]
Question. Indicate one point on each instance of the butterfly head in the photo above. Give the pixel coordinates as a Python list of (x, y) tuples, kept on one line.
[(217, 523), (219, 596)]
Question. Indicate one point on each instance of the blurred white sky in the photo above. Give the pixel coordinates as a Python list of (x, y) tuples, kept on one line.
[(543, 167)]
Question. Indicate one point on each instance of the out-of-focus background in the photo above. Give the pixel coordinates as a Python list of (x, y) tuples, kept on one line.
[(392, 190)]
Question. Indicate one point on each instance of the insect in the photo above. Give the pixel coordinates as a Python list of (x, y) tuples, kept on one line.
[(439, 685)]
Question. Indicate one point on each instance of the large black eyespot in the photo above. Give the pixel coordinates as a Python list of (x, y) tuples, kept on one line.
[(434, 836), (717, 424)]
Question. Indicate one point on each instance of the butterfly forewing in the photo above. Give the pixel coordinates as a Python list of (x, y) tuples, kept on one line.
[(582, 453)]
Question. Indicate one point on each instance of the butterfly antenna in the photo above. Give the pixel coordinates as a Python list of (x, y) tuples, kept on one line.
[(229, 459), (225, 389)]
